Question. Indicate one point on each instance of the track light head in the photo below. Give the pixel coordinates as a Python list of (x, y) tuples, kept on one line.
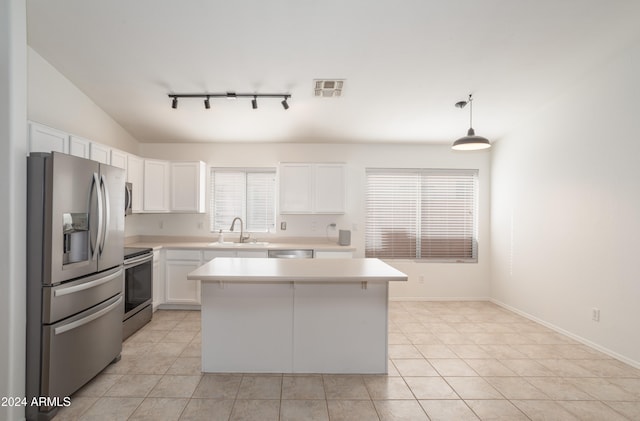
[(174, 103), (254, 102), (284, 103), (207, 104)]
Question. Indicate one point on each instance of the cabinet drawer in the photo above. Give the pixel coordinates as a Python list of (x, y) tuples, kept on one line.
[(183, 255)]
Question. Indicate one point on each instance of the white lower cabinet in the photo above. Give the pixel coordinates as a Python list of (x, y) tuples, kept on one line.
[(321, 254), (178, 289), (158, 280)]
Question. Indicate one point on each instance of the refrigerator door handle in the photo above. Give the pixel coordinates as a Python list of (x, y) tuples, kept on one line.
[(95, 186), (88, 319), (107, 208), (86, 285)]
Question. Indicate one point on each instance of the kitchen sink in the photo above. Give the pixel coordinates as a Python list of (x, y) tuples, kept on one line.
[(234, 244)]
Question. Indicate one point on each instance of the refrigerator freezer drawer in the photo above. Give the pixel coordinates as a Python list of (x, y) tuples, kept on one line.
[(65, 300), (77, 349)]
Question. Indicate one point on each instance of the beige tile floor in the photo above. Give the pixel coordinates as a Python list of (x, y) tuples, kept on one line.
[(448, 361)]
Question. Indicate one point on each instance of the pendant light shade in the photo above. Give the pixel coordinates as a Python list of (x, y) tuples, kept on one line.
[(470, 142)]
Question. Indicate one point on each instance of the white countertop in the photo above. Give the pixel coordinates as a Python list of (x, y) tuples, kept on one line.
[(226, 269), (197, 243)]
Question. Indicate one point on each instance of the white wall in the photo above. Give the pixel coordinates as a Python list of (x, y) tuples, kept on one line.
[(58, 103), (566, 210), (441, 280), (13, 117)]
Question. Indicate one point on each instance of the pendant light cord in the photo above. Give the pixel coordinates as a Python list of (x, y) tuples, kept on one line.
[(470, 112)]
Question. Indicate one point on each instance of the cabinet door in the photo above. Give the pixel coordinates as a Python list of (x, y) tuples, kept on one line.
[(179, 289), (100, 153), (135, 176), (296, 188), (329, 188), (158, 280), (46, 139), (79, 147), (187, 187), (119, 159), (156, 186)]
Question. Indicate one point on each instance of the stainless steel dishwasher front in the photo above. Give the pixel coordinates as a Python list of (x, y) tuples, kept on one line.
[(291, 254)]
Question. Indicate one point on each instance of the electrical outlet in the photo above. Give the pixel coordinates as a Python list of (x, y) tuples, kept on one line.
[(283, 226), (595, 314), (161, 224), (421, 279), (200, 225)]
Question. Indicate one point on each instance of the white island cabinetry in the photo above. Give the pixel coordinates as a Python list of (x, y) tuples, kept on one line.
[(295, 315)]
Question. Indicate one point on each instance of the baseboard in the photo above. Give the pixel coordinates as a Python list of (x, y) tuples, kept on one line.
[(439, 299), (607, 351)]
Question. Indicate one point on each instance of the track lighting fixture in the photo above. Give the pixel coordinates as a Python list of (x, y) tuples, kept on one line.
[(470, 142), (229, 95)]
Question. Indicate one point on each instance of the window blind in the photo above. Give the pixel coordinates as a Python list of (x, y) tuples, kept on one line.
[(421, 214), (249, 194)]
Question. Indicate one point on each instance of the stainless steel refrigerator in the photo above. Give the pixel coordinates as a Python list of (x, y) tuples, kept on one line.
[(75, 278)]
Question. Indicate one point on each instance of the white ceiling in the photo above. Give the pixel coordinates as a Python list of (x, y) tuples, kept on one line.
[(406, 62)]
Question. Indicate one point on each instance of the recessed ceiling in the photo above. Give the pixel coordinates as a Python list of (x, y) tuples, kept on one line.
[(405, 63)]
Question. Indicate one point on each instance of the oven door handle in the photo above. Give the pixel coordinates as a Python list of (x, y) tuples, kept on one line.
[(86, 285), (136, 261), (88, 319)]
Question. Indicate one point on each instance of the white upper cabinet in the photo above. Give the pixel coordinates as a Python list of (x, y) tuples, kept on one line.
[(79, 146), (312, 188), (119, 159), (135, 176), (187, 187), (100, 153), (329, 188), (156, 185), (296, 182), (46, 139)]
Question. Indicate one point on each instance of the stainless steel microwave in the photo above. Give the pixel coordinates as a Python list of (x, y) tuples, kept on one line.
[(128, 198)]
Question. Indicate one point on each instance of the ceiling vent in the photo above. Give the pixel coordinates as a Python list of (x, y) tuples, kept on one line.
[(328, 88)]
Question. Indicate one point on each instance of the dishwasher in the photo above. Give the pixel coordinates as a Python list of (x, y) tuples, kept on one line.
[(291, 254)]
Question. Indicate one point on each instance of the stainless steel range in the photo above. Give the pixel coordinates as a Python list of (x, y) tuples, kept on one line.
[(138, 289)]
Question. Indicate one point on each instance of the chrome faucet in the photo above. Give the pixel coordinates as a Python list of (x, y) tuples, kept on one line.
[(233, 223)]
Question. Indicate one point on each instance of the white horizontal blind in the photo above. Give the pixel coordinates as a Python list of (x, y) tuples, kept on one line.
[(421, 214), (392, 203), (448, 214), (261, 210), (249, 194)]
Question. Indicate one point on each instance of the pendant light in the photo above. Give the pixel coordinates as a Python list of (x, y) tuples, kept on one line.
[(470, 142)]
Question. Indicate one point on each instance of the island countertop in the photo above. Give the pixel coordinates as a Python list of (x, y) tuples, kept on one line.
[(226, 269)]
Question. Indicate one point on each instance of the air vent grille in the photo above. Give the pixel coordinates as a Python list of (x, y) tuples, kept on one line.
[(328, 88)]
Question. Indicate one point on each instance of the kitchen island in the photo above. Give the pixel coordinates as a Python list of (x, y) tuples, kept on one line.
[(295, 316)]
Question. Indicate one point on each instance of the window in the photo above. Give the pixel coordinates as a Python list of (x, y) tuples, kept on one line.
[(422, 214), (247, 193)]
